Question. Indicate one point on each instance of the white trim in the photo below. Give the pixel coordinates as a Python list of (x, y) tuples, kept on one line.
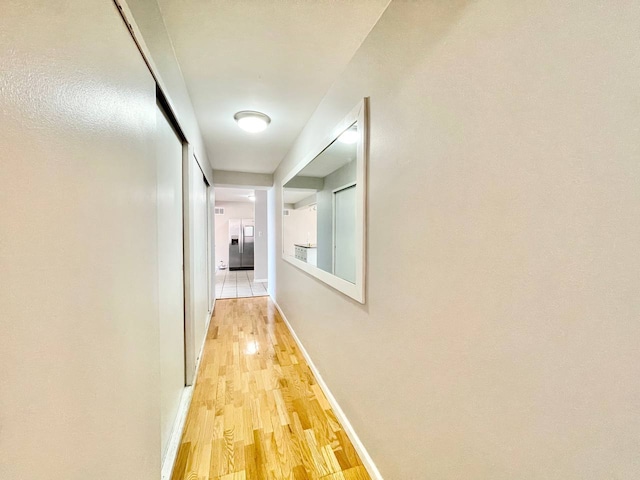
[(261, 280), (367, 461), (169, 460), (349, 289)]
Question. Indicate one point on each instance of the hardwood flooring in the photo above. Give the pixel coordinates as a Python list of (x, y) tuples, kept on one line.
[(257, 411)]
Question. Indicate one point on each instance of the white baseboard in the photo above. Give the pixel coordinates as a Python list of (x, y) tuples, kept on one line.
[(169, 460), (367, 461), (263, 280), (171, 454)]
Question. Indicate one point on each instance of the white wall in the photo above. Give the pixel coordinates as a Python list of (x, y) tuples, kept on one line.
[(231, 210), (501, 340), (260, 239), (225, 178), (148, 18), (79, 395), (301, 226)]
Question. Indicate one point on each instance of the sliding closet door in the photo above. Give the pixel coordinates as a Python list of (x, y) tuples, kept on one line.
[(200, 256), (170, 278), (211, 247), (197, 283)]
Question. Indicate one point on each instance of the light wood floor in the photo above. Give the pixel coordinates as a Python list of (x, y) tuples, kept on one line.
[(257, 411)]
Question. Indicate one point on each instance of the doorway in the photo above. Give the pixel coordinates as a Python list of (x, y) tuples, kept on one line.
[(240, 242)]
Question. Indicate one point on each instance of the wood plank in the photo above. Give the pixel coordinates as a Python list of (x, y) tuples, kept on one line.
[(257, 411)]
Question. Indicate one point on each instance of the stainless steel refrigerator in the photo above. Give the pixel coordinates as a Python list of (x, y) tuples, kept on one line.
[(241, 233)]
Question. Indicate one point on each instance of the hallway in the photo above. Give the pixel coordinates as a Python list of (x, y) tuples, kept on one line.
[(437, 204), (257, 411)]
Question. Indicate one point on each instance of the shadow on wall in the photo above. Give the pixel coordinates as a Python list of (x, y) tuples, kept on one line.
[(401, 57)]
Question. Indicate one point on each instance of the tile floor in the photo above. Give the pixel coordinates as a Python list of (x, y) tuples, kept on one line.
[(238, 284)]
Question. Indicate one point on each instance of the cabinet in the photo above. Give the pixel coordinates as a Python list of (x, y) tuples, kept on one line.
[(308, 254)]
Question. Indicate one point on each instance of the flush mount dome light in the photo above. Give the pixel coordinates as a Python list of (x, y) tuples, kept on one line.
[(252, 122), (349, 136)]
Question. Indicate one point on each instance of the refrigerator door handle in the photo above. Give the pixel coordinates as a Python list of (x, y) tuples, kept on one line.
[(241, 242)]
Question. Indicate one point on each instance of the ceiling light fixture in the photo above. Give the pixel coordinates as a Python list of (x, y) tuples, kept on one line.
[(349, 136), (252, 122)]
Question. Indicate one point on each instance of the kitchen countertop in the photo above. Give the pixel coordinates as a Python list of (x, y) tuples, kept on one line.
[(305, 245)]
